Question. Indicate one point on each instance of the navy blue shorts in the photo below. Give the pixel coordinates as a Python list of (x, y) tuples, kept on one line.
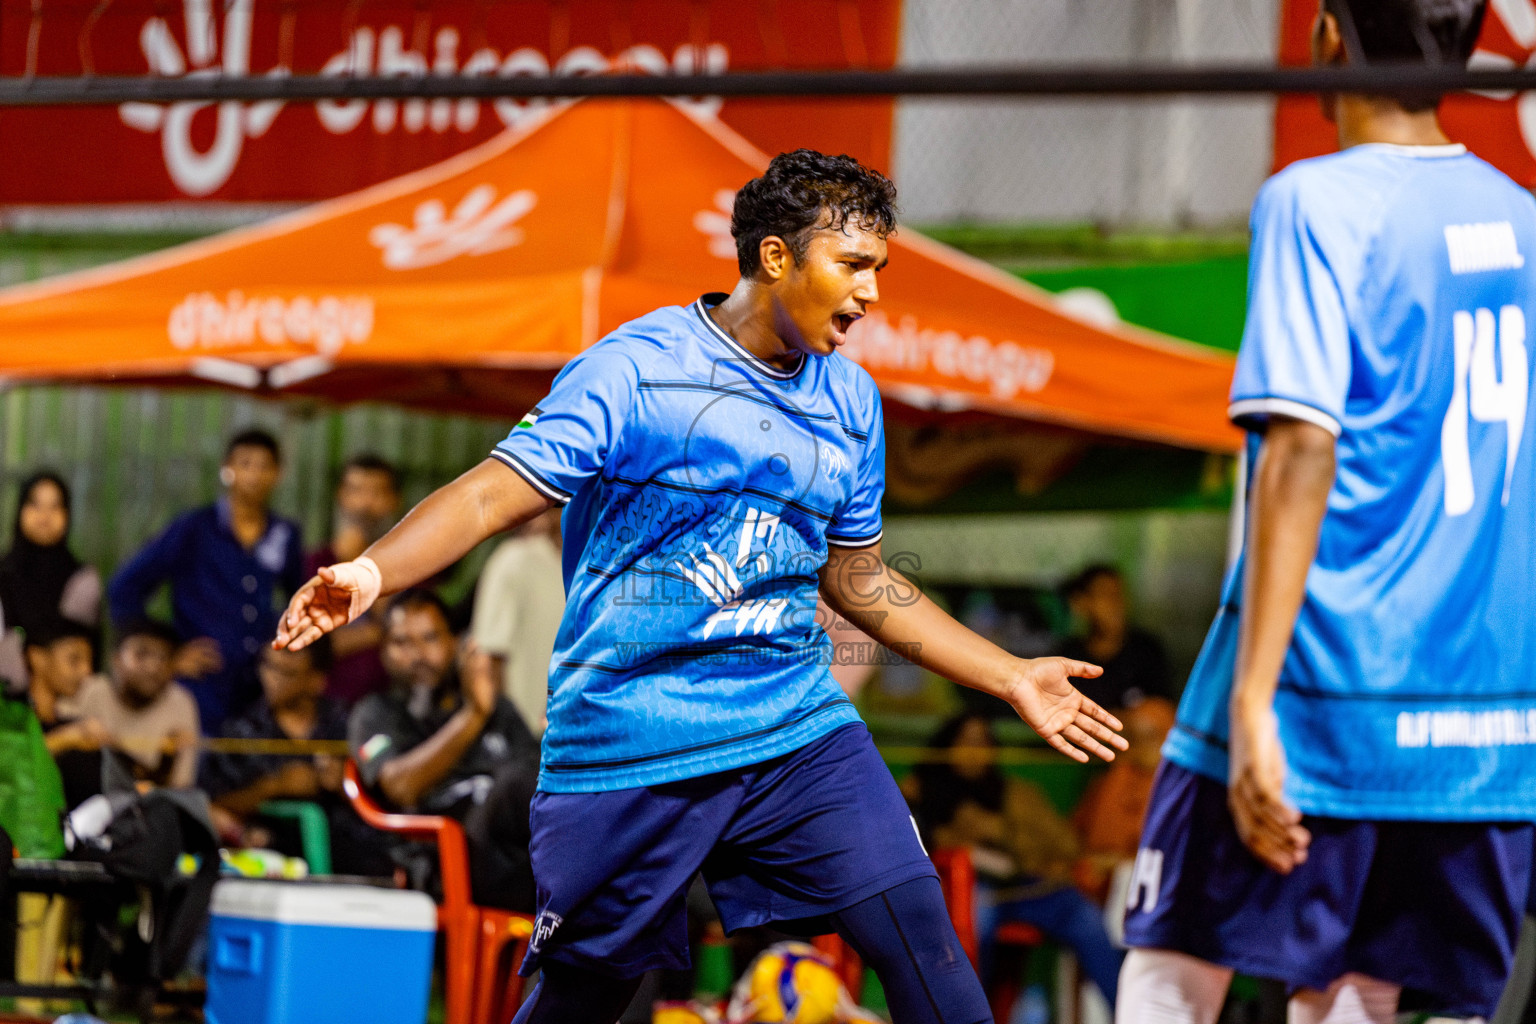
[(792, 839), (1432, 906)]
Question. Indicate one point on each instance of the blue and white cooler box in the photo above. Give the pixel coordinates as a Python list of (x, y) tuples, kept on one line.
[(305, 952)]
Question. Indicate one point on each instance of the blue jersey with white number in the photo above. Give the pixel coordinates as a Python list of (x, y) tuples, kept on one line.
[(1389, 298), (702, 487)]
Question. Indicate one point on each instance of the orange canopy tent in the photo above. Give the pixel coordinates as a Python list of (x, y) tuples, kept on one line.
[(464, 287)]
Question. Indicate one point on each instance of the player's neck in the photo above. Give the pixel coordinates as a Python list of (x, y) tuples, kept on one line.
[(247, 510), (748, 316), (1361, 120)]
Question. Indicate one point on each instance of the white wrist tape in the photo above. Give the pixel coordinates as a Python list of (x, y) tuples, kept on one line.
[(366, 583)]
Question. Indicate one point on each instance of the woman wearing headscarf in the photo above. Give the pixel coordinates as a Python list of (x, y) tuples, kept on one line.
[(41, 580)]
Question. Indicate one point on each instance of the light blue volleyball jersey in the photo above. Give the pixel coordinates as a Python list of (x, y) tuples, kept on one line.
[(702, 486), (1388, 302)]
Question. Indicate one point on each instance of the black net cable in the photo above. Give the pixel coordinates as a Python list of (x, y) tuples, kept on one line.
[(1021, 82)]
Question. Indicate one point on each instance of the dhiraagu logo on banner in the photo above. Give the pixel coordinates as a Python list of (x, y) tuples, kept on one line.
[(203, 49)]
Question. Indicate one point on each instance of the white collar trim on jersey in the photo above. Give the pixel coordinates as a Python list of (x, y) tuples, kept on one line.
[(1423, 152), (760, 365)]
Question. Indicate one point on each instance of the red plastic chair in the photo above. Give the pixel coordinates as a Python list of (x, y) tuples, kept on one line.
[(957, 878), (481, 984)]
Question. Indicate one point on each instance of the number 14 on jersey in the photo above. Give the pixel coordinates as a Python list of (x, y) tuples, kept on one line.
[(1486, 392)]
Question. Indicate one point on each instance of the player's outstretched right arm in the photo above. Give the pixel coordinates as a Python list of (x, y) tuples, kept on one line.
[(436, 533)]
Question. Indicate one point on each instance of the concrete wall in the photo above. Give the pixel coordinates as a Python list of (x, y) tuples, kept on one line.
[(1118, 162)]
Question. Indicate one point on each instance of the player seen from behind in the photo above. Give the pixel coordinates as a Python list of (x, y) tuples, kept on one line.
[(1345, 799)]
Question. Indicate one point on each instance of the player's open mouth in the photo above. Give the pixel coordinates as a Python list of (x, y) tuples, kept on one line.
[(840, 324)]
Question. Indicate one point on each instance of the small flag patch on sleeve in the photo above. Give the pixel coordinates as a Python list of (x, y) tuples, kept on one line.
[(529, 418)]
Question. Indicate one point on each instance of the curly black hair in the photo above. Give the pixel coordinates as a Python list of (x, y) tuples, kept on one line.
[(804, 191)]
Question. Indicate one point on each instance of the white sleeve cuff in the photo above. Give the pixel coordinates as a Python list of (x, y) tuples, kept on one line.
[(535, 481), (854, 542), (1248, 408)]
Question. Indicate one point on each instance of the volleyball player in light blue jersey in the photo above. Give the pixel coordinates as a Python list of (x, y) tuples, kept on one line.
[(724, 481), (1345, 799), (720, 465)]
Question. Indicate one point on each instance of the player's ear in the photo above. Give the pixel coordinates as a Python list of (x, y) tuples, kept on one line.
[(774, 257), (1327, 39)]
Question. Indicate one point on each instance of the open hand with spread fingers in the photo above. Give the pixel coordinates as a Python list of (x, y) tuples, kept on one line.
[(337, 595), (1045, 698)]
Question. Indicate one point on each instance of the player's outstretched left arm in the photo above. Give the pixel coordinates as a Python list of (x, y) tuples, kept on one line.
[(859, 586)]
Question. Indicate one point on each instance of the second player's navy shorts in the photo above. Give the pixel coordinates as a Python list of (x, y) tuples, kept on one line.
[(1432, 906), (792, 839)]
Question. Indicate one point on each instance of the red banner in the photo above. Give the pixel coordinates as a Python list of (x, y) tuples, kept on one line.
[(1500, 129), (300, 151)]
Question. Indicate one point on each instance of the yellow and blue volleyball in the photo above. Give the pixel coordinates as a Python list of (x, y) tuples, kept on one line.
[(789, 983), (682, 1013)]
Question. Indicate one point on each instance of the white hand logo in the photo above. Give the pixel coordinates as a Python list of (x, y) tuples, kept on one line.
[(717, 580), (714, 576), (369, 49), (199, 173), (477, 227)]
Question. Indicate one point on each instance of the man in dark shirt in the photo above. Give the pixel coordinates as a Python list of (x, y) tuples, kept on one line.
[(224, 563), (442, 742), (367, 505), (292, 707), (1135, 666)]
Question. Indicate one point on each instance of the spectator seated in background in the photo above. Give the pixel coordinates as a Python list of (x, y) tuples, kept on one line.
[(224, 564), (1024, 851), (58, 663), (440, 742), (519, 601), (148, 716), (367, 505), (1135, 665), (42, 583), (292, 707), (1110, 814)]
